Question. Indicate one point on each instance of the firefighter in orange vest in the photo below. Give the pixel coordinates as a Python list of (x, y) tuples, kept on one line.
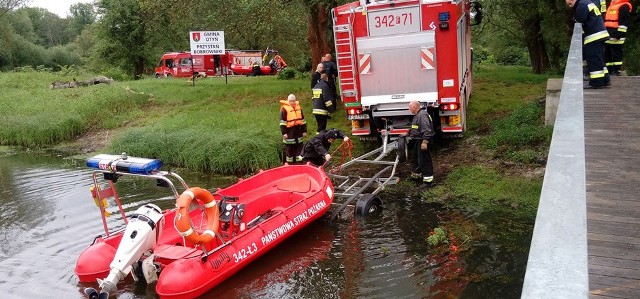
[(279, 61), (293, 127), (616, 21)]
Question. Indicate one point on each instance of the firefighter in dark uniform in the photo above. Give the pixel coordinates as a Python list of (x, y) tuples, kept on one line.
[(331, 69), (594, 36), (316, 150), (293, 127), (421, 134), (255, 69), (616, 21), (322, 103)]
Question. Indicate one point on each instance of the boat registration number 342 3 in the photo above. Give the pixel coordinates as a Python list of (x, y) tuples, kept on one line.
[(245, 252)]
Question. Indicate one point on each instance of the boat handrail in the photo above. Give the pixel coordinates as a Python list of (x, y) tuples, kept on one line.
[(160, 176)]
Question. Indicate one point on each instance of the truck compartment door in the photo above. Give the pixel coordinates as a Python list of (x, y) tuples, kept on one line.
[(397, 65)]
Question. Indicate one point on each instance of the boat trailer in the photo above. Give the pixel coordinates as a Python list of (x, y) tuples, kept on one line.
[(352, 187)]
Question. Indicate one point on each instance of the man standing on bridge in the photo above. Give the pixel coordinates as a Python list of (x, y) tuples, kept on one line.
[(616, 21), (595, 34)]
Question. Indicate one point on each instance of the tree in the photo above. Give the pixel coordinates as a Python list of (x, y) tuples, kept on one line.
[(81, 16), (319, 30), (9, 5), (51, 29), (535, 26), (122, 35)]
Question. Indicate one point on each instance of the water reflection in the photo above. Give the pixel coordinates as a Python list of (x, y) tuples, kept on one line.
[(47, 217)]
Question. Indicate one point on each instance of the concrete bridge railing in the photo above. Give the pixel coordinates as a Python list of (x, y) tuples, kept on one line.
[(558, 258)]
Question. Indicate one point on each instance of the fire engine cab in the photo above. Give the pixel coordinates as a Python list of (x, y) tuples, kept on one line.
[(392, 52)]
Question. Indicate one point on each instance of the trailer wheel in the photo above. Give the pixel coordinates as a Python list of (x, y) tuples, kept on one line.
[(402, 149), (368, 204)]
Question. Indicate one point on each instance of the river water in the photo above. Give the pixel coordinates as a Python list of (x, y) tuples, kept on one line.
[(47, 217)]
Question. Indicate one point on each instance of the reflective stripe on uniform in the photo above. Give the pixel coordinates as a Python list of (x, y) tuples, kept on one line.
[(614, 42), (596, 74), (320, 112), (596, 36)]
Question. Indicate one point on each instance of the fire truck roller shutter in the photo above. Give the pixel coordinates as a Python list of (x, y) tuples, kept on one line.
[(399, 67)]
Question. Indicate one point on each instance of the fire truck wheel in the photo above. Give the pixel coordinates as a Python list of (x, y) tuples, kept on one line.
[(368, 204), (402, 149), (157, 76)]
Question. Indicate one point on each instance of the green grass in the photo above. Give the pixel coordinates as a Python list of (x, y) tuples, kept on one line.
[(33, 115), (497, 90), (225, 127), (485, 189), (506, 118), (216, 126), (519, 135), (232, 127)]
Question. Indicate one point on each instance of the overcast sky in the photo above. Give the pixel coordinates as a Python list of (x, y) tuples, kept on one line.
[(59, 7)]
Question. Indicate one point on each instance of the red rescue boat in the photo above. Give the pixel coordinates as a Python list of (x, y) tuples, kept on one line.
[(239, 69), (189, 252)]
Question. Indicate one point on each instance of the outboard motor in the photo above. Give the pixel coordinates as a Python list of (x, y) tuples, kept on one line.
[(140, 235)]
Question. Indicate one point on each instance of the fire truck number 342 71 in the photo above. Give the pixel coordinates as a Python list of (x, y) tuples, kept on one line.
[(392, 20)]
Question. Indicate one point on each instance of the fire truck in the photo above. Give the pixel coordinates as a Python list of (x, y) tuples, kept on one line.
[(392, 52), (233, 62)]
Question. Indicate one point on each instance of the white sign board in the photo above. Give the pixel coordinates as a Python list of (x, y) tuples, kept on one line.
[(207, 42), (394, 21)]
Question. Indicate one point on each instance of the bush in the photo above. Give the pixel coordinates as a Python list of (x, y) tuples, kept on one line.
[(115, 74), (304, 64), (287, 74), (514, 137), (511, 55), (482, 55)]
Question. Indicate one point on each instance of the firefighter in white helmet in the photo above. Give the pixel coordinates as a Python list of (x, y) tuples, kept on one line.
[(293, 127)]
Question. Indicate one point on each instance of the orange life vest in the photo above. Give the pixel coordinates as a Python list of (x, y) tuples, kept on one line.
[(294, 115), (611, 18)]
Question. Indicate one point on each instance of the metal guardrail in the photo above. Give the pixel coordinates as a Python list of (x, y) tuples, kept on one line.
[(558, 257)]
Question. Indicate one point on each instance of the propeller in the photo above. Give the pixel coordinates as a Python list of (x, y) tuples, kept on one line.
[(93, 294)]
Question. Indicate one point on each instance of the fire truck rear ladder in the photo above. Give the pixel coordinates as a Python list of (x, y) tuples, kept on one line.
[(346, 58), (352, 187)]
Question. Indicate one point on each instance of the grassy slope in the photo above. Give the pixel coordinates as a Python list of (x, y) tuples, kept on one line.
[(227, 128), (32, 115), (498, 167), (223, 127)]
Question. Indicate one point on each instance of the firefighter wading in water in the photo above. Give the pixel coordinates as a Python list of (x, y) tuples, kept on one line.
[(421, 134), (293, 127)]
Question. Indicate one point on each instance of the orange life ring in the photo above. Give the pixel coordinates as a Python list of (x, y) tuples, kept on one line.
[(183, 221)]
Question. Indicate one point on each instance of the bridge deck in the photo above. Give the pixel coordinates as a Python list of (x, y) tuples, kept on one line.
[(612, 153)]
